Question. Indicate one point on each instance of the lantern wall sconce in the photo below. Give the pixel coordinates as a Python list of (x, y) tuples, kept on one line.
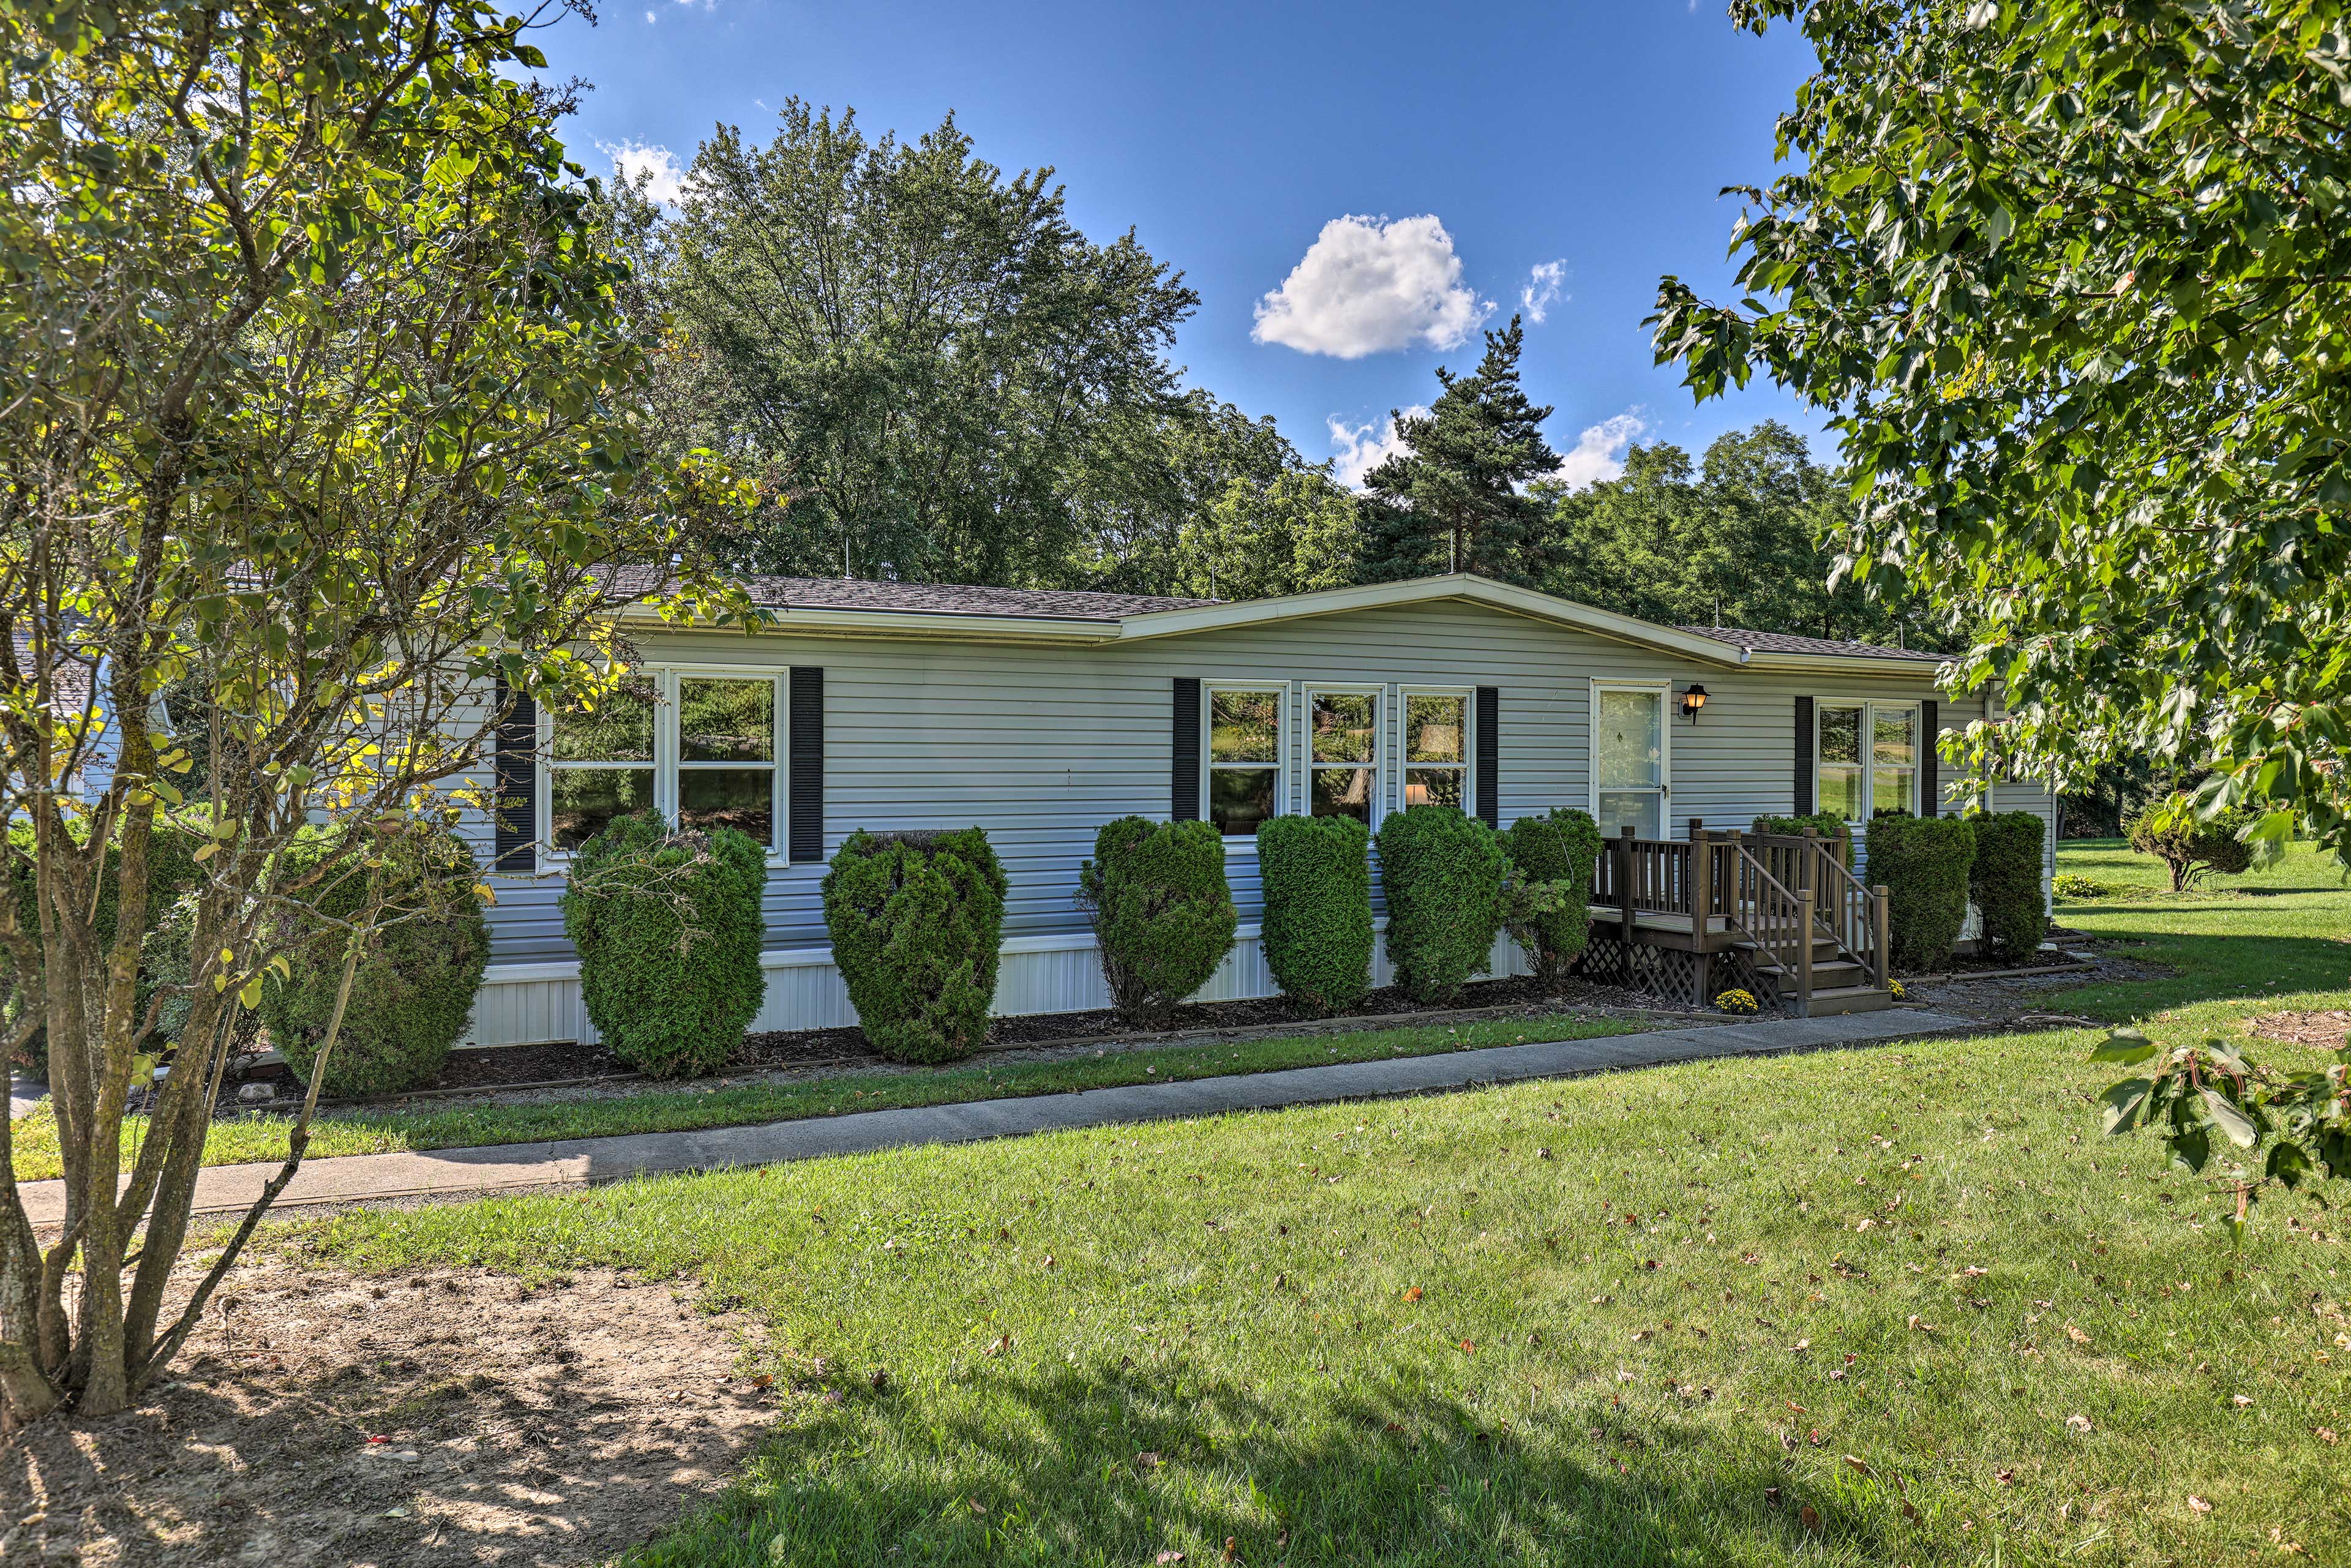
[(1693, 700)]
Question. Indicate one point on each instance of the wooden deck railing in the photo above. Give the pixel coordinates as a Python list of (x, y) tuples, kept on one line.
[(1725, 887)]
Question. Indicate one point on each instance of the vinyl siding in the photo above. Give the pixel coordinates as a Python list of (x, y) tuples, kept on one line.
[(1039, 745)]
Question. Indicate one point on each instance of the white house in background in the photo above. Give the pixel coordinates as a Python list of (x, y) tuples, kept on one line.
[(1040, 715)]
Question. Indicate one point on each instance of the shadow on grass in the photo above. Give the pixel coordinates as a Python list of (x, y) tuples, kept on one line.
[(1128, 1464), (2211, 967)]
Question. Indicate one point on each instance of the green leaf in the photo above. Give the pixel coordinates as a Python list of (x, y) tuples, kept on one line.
[(2231, 1119), (2287, 1164), (2122, 1104), (2124, 1045)]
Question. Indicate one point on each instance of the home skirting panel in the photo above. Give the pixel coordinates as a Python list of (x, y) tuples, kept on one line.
[(530, 1004)]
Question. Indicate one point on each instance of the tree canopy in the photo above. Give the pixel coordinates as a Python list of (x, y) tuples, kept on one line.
[(927, 369), (1453, 497), (2071, 276), (1736, 540)]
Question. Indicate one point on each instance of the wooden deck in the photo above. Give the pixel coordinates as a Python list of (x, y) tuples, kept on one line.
[(1778, 916)]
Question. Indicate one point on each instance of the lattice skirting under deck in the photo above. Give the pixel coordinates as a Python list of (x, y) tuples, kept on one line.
[(1687, 978)]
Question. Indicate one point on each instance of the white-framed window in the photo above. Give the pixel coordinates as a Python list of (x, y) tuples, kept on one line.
[(1866, 756), (702, 744), (1346, 750), (1244, 754), (1438, 745), (1632, 757)]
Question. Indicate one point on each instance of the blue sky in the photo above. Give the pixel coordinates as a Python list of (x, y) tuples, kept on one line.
[(1469, 146)]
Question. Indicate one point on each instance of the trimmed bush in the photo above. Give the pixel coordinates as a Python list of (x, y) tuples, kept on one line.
[(1317, 875), (2073, 885), (1828, 824), (1558, 847), (916, 922), (2190, 845), (1922, 864), (1443, 871), (1162, 911), (667, 926), (417, 973), (2005, 882)]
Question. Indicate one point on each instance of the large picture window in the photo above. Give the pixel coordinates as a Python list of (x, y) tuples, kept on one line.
[(699, 746), (1343, 732), (1244, 757), (1868, 758)]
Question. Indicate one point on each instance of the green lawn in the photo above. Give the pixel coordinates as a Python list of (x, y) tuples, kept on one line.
[(1840, 1308), (425, 1125)]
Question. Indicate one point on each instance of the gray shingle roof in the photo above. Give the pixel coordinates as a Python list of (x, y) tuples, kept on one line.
[(625, 583), (1782, 642), (954, 598)]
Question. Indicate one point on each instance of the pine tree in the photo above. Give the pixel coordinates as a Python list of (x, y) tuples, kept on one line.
[(1451, 501)]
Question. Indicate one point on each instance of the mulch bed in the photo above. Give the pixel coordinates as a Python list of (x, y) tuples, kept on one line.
[(2329, 1030), (520, 1066)]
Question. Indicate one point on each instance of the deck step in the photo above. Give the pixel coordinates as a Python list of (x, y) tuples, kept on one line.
[(1849, 1000)]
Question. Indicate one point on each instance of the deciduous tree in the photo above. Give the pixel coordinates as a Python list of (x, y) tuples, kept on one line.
[(311, 359)]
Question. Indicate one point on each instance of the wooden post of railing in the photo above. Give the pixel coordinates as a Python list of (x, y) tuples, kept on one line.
[(1804, 954), (1701, 887), (1885, 934), (1625, 879)]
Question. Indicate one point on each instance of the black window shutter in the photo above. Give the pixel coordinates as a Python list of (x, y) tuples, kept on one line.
[(1489, 756), (1806, 768), (804, 785), (1184, 777), (516, 815), (1930, 783)]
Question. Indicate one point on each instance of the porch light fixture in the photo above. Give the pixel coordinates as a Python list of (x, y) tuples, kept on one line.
[(1693, 700)]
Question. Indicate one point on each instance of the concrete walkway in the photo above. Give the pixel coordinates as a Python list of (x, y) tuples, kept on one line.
[(510, 1167)]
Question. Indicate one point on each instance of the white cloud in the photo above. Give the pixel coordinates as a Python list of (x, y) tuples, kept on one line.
[(1600, 451), (1545, 280), (653, 166), (1360, 448), (1367, 284)]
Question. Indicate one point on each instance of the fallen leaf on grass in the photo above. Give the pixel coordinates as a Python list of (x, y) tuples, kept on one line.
[(2005, 1478), (2326, 1435), (1003, 1343), (1859, 1464), (1413, 1294), (2240, 1400), (1812, 1519), (2198, 1505), (1232, 1549), (1801, 1346), (1146, 1461), (1920, 1327), (973, 1503), (2078, 1423), (1169, 1557), (2076, 1335), (1771, 1496)]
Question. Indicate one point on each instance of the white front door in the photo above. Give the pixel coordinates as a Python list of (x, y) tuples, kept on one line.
[(1628, 760)]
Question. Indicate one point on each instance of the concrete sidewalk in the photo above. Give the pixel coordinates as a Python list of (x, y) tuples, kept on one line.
[(454, 1173)]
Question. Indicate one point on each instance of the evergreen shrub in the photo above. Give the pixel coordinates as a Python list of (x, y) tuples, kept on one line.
[(916, 921), (1559, 847), (418, 967), (1318, 909), (668, 927), (1828, 824), (1923, 863), (1443, 871), (2005, 884), (1162, 911)]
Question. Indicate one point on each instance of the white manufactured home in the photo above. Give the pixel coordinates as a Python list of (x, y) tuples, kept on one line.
[(1039, 716)]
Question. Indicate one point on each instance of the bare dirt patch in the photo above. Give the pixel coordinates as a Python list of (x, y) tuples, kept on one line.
[(2327, 1031), (452, 1417)]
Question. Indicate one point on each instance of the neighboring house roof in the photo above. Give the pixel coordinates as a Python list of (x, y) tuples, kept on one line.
[(1826, 647), (857, 607), (70, 680)]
